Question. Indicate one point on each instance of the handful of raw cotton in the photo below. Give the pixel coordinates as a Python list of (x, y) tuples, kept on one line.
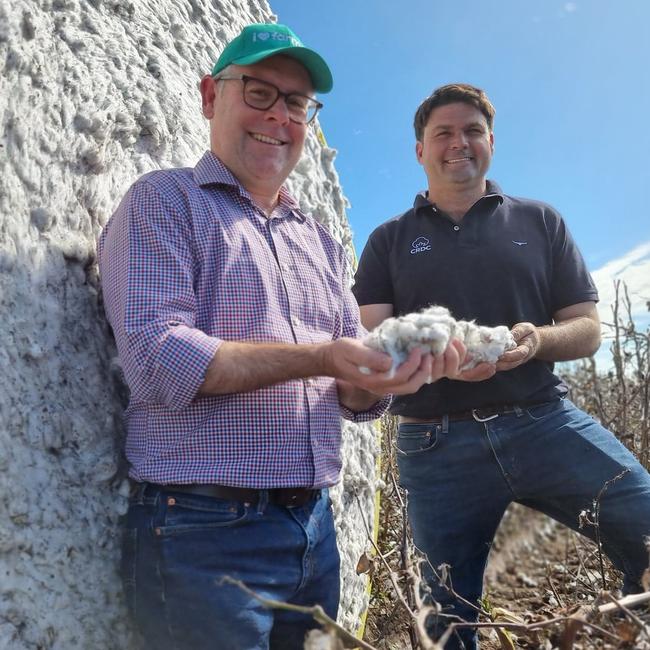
[(431, 329)]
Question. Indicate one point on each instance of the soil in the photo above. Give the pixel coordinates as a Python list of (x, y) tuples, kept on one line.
[(538, 570)]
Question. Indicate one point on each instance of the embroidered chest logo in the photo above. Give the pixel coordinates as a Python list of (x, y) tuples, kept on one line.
[(519, 243), (420, 245)]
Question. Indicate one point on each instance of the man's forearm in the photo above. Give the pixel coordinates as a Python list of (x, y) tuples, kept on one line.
[(244, 367), (568, 340), (575, 334)]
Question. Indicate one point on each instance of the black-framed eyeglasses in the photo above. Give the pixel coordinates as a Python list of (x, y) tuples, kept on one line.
[(261, 95)]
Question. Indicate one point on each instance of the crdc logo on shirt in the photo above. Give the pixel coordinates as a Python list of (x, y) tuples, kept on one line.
[(420, 245)]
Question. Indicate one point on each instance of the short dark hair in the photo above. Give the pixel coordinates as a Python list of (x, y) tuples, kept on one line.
[(450, 94)]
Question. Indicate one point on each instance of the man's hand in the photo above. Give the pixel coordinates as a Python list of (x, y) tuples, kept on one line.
[(480, 372), (527, 337), (358, 390), (345, 356), (449, 363)]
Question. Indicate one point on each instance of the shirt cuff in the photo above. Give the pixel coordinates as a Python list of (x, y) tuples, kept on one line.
[(182, 364), (374, 412)]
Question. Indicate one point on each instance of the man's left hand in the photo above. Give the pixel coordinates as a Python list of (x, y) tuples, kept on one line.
[(526, 335)]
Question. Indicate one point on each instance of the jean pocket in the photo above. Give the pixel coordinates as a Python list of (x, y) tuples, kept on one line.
[(540, 411), (416, 439), (127, 566), (192, 513)]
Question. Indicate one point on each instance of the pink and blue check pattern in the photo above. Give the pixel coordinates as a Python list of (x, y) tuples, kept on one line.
[(187, 261)]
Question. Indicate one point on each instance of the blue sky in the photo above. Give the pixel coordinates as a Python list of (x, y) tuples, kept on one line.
[(570, 82)]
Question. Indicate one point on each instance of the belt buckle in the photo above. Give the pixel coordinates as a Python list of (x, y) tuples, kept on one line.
[(294, 498), (478, 418)]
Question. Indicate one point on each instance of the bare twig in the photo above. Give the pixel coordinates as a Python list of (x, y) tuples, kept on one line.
[(391, 573), (595, 522), (551, 584), (316, 612), (628, 601)]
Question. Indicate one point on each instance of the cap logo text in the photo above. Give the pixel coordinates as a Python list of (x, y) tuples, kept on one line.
[(275, 36)]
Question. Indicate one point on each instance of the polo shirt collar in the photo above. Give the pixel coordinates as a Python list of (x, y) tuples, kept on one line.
[(492, 190), (211, 171)]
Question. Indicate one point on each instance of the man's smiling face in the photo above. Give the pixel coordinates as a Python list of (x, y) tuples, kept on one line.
[(260, 148), (456, 147)]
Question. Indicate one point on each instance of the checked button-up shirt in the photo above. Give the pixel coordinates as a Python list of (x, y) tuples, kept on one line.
[(188, 261)]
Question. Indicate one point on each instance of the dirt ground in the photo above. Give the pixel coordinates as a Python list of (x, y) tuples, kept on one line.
[(538, 571)]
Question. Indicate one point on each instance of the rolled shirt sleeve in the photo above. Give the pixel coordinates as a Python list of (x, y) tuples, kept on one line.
[(146, 263)]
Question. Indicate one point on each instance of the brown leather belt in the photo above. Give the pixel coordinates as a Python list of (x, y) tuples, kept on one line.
[(288, 497), (480, 414)]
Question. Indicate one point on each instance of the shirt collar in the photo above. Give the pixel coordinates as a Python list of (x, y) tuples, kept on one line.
[(492, 190), (211, 171)]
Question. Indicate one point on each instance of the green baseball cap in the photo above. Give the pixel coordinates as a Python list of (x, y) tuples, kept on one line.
[(261, 40)]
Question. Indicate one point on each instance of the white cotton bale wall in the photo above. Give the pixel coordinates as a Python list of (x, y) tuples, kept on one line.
[(92, 95)]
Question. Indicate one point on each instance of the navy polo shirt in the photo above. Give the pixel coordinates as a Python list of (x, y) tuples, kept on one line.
[(509, 260)]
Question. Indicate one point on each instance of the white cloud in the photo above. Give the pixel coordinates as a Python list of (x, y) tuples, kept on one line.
[(633, 269), (570, 7)]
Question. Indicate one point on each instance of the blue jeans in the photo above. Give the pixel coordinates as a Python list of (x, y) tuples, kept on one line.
[(461, 476), (178, 547)]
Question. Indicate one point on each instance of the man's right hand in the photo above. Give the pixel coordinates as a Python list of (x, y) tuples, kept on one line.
[(345, 357)]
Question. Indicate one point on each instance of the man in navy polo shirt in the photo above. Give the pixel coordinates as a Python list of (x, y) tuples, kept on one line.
[(506, 432)]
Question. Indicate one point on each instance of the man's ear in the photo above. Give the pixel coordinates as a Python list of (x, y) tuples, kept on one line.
[(492, 141), (418, 151), (208, 87)]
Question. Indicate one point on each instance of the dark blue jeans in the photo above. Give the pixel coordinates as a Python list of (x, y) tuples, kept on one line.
[(178, 547), (461, 476)]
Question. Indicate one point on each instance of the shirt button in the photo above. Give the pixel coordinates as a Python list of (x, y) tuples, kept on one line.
[(286, 268), (295, 320), (456, 228)]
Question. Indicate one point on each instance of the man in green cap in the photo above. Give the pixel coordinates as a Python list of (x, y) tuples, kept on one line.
[(238, 336)]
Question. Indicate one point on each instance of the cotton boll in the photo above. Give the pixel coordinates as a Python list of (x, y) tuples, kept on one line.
[(437, 336), (431, 330), (319, 640), (485, 344), (495, 341), (408, 330)]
